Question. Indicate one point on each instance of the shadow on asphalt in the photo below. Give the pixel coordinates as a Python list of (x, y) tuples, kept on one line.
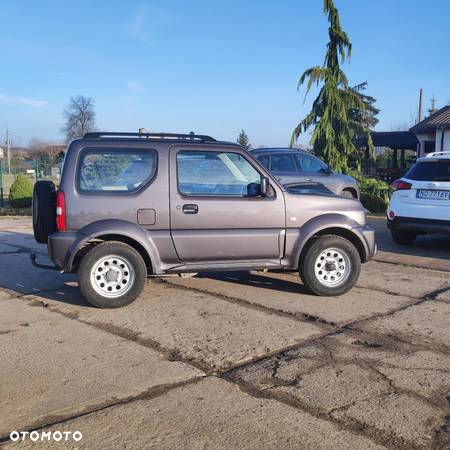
[(258, 281), (70, 295), (431, 246), (19, 276)]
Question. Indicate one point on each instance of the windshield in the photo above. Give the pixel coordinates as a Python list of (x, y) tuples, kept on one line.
[(430, 171)]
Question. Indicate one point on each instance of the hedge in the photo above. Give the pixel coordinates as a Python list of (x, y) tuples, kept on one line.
[(373, 203), (21, 192)]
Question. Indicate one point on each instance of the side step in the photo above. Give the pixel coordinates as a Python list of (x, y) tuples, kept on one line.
[(234, 266)]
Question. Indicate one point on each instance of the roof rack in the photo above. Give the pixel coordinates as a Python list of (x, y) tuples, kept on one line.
[(162, 136), (437, 154)]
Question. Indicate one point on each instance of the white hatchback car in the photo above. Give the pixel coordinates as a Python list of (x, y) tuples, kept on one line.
[(420, 203)]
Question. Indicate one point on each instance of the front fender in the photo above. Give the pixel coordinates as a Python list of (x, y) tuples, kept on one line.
[(112, 227), (296, 238)]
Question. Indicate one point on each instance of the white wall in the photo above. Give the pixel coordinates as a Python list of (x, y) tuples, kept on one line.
[(446, 140)]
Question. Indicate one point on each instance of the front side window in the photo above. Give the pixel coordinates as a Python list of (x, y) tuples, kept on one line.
[(216, 173), (118, 170), (265, 161), (309, 164)]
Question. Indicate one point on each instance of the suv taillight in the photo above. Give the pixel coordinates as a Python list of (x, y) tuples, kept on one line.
[(400, 185), (60, 211)]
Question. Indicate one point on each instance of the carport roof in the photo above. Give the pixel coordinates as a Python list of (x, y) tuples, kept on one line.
[(404, 140)]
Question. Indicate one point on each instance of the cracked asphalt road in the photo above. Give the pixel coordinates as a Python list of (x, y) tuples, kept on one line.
[(235, 360)]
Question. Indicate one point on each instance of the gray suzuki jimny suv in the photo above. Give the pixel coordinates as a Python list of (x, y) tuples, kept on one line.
[(133, 205)]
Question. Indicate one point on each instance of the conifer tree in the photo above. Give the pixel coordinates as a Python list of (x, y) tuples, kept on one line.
[(340, 112), (243, 140)]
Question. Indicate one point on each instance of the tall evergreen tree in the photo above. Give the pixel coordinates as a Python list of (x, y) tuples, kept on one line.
[(243, 140), (362, 119), (339, 110)]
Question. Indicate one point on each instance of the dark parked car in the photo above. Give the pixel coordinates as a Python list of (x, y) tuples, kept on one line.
[(292, 166), (133, 205)]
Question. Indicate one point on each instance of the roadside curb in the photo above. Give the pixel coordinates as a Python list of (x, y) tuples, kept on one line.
[(422, 262)]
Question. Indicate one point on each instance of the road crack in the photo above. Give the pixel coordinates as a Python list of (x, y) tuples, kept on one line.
[(151, 393)]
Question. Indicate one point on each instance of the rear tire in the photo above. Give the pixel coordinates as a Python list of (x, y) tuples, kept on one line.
[(111, 275), (44, 210), (330, 266), (403, 237)]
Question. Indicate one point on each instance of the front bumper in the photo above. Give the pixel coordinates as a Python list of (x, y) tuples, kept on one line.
[(418, 225), (366, 236)]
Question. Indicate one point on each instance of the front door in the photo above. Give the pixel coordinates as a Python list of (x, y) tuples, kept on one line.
[(216, 212), (313, 169)]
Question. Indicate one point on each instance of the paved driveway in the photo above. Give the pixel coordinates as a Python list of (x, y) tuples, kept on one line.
[(230, 360)]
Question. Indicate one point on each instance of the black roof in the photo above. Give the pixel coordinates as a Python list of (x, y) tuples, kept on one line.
[(403, 140), (438, 119)]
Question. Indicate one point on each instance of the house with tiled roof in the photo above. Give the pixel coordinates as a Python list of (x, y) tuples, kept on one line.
[(433, 133)]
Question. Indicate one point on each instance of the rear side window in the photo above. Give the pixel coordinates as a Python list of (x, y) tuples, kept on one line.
[(283, 163), (430, 171), (115, 170), (310, 164)]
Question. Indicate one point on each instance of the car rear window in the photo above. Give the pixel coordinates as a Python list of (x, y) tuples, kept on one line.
[(430, 171), (115, 170)]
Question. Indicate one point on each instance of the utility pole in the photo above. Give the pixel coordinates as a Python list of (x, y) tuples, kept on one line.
[(421, 105), (1, 185), (8, 153)]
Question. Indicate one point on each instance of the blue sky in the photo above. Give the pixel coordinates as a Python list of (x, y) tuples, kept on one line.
[(210, 66)]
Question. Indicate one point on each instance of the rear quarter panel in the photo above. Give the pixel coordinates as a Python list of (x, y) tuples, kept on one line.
[(84, 208)]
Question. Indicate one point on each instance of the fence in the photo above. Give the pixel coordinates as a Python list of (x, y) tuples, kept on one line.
[(389, 166), (33, 169)]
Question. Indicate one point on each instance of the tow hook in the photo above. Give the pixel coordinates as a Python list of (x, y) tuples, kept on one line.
[(41, 266)]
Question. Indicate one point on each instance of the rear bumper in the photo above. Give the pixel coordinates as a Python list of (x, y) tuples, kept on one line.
[(418, 225), (59, 247)]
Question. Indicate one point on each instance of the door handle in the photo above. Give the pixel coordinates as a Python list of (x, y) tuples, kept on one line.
[(190, 209), (309, 179)]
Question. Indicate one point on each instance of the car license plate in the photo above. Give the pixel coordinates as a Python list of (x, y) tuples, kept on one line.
[(432, 194)]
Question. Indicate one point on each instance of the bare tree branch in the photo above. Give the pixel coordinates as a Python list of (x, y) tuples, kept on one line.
[(79, 116)]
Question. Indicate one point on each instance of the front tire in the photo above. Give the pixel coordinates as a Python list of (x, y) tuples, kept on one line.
[(403, 237), (330, 266), (111, 275)]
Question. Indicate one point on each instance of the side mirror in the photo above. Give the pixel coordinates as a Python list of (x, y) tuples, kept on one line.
[(264, 187)]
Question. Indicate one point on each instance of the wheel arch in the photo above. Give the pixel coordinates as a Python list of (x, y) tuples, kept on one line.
[(118, 238), (337, 224), (352, 190), (113, 230), (336, 231)]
